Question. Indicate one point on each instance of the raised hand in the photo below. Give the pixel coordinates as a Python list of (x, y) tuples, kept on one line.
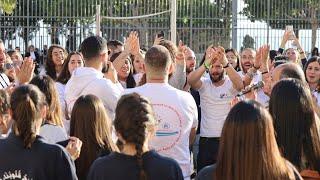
[(130, 42), (180, 57), (157, 40), (221, 55), (111, 73), (209, 55), (25, 72)]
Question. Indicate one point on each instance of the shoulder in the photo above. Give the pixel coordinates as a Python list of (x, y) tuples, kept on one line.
[(102, 163), (206, 173)]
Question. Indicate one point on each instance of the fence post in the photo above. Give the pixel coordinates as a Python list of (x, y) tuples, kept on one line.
[(98, 19), (173, 21), (234, 24)]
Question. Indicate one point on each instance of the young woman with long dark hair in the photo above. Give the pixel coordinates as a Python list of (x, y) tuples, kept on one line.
[(56, 57), (91, 124), (52, 129), (24, 154), (248, 148), (295, 123)]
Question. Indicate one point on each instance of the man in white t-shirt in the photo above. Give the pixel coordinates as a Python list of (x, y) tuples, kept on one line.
[(91, 80), (216, 93), (250, 73), (175, 110)]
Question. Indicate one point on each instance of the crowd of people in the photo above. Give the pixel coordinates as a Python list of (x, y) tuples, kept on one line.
[(114, 111)]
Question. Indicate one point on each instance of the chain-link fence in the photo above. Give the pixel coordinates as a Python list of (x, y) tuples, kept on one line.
[(231, 23)]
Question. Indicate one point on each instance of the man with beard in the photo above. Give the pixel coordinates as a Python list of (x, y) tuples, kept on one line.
[(91, 79), (216, 92), (4, 80), (250, 63)]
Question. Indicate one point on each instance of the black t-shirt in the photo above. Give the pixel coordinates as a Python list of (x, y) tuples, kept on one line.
[(41, 161), (119, 166)]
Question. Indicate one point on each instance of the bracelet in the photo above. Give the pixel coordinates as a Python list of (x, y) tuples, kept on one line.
[(265, 72), (226, 65), (206, 66)]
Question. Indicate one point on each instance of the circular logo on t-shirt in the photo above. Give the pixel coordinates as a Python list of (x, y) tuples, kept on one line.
[(169, 128)]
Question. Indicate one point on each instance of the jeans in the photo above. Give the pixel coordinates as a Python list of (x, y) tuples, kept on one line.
[(208, 152)]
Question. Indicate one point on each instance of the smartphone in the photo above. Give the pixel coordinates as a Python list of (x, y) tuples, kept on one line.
[(290, 29), (160, 34)]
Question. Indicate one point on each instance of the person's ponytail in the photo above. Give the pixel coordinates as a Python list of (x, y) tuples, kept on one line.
[(26, 103)]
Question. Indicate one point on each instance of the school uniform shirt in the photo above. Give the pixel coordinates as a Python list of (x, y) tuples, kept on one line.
[(87, 80), (41, 161), (176, 112), (215, 106), (119, 166)]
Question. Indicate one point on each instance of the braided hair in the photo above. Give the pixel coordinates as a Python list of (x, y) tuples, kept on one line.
[(134, 117)]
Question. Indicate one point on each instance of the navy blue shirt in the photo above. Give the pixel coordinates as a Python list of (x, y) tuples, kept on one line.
[(41, 161), (119, 166)]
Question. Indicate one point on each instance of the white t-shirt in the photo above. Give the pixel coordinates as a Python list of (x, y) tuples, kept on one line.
[(317, 96), (87, 80), (215, 106), (261, 96), (53, 134), (137, 77), (177, 113)]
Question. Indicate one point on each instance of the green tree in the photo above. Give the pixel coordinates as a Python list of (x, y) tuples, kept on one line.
[(21, 22), (7, 6), (302, 14), (248, 42), (209, 20)]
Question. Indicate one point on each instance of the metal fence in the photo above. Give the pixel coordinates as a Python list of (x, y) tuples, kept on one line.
[(199, 22)]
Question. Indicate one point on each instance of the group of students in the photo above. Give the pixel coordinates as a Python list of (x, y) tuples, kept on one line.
[(114, 111)]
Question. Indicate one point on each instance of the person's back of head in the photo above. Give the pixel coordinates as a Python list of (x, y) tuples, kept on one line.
[(294, 120), (92, 47), (157, 61), (91, 124), (291, 70), (47, 86), (287, 70), (27, 103), (247, 143), (172, 48), (135, 122)]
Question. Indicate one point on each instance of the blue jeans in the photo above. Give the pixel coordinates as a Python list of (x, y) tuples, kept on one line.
[(208, 152)]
